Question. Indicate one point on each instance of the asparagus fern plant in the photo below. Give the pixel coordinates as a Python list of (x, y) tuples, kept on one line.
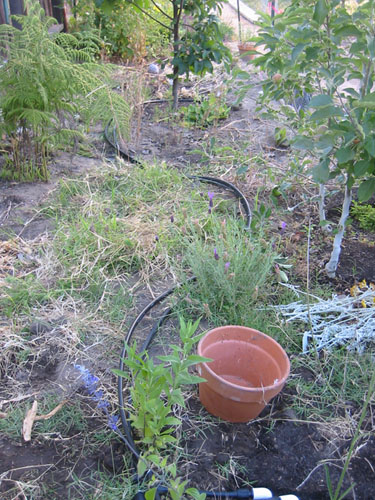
[(47, 82)]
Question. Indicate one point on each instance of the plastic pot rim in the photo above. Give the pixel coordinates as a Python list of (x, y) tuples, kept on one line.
[(280, 382)]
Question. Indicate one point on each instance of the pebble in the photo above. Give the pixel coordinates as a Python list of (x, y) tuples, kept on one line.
[(154, 69)]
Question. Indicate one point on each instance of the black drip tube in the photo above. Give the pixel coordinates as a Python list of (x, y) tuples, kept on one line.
[(245, 494), (129, 156)]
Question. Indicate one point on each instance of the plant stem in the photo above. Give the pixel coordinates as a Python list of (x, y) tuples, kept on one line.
[(331, 266), (322, 213), (370, 393), (177, 11)]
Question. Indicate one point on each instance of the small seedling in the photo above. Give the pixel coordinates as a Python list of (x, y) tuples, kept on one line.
[(156, 389)]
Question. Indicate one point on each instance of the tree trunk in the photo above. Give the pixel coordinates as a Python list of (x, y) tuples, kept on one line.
[(331, 266), (175, 88)]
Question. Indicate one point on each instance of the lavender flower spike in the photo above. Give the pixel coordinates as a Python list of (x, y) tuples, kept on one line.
[(91, 385), (216, 255), (226, 266), (112, 422), (211, 196)]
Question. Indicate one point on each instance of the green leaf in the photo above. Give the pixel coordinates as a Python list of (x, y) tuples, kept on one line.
[(194, 493), (320, 100), (186, 378), (312, 53), (301, 142), (344, 155), (121, 373), (369, 97), (296, 52), (321, 172), (106, 6), (366, 189), (325, 143), (320, 11), (348, 30), (370, 145), (193, 359), (325, 222), (326, 112), (150, 494), (142, 467), (172, 421), (361, 167), (242, 170), (366, 104), (352, 92), (283, 276)]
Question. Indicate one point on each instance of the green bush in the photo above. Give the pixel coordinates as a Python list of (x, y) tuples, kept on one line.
[(204, 113), (126, 32), (232, 268), (365, 214)]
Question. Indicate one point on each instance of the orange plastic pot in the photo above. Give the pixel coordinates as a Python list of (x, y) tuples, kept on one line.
[(247, 370)]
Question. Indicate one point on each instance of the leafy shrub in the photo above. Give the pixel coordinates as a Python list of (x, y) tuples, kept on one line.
[(47, 82), (206, 112), (126, 32)]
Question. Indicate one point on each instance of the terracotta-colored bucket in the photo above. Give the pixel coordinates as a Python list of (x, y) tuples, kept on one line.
[(247, 370), (247, 51)]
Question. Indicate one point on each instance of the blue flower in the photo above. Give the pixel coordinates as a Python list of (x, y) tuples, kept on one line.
[(211, 203), (91, 385), (112, 422)]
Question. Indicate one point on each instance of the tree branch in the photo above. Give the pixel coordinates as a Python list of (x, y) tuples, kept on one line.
[(148, 15), (161, 10)]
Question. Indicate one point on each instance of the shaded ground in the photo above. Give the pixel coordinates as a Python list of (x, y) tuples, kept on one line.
[(278, 450)]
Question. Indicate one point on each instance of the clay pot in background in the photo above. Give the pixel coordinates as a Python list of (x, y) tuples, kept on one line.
[(244, 48), (248, 369)]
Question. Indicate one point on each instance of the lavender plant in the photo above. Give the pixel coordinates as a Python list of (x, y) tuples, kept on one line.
[(233, 269)]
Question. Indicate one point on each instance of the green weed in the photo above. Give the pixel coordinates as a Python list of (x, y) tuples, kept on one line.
[(330, 388), (206, 112), (19, 295), (365, 214)]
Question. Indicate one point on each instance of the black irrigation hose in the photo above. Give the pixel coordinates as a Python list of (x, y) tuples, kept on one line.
[(203, 178), (124, 420)]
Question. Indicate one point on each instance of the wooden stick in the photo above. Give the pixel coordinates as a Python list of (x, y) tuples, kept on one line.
[(29, 421), (51, 413)]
